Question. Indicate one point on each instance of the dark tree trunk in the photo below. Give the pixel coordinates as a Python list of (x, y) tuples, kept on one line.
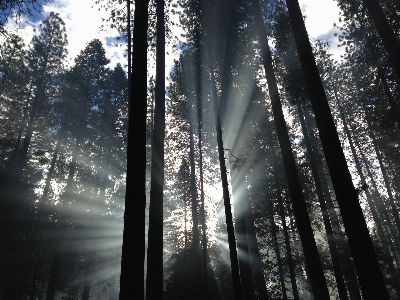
[(55, 270), (35, 270), (392, 101), (39, 96), (133, 248), (246, 275), (274, 228), (385, 178), (21, 158), (228, 212), (154, 283), (370, 277), (317, 277), (373, 207), (88, 276), (128, 32), (50, 173), (193, 189), (386, 33), (393, 272), (254, 251), (324, 210), (72, 169), (199, 86), (342, 244), (290, 261), (21, 129), (202, 212)]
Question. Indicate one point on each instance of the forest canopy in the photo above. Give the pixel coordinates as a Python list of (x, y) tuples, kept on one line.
[(255, 165)]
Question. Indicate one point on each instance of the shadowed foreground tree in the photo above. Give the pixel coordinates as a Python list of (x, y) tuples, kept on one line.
[(61, 217), (154, 281), (386, 33), (228, 212), (362, 249), (133, 248), (314, 265)]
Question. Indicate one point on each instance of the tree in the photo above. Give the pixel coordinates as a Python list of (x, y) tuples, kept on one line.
[(132, 268), (385, 31), (13, 89), (17, 10), (227, 204), (45, 60), (314, 266), (370, 277), (154, 283)]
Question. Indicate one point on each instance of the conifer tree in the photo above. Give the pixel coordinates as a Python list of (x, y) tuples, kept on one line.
[(154, 283), (133, 249), (314, 265), (370, 276)]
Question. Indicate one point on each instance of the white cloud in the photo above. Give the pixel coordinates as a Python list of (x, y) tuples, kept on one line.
[(320, 17), (82, 23)]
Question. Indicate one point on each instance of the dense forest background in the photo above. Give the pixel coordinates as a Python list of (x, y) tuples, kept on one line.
[(256, 167)]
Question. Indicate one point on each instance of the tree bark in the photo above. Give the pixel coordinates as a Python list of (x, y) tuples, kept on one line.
[(369, 274), (227, 203), (317, 277), (292, 272), (133, 248), (238, 190), (392, 101), (375, 216), (324, 210), (274, 228), (154, 282), (386, 33), (193, 189), (342, 244), (385, 178), (88, 276), (55, 269), (255, 257)]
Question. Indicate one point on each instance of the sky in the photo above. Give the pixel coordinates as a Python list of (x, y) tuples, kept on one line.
[(321, 14), (83, 20)]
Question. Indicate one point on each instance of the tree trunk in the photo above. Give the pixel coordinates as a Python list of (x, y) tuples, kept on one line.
[(292, 272), (154, 282), (20, 131), (296, 193), (35, 270), (254, 251), (325, 216), (381, 233), (55, 270), (342, 244), (199, 86), (227, 203), (274, 228), (369, 274), (133, 249), (128, 33), (193, 189), (50, 173), (392, 101), (246, 276), (385, 178), (88, 276), (22, 153), (386, 33)]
